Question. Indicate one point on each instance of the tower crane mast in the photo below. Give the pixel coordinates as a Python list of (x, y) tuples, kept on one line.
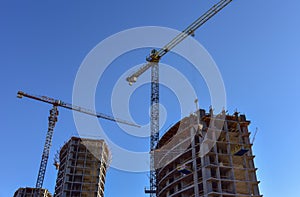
[(52, 119), (152, 62)]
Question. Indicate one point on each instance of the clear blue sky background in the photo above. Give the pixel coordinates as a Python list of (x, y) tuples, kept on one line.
[(255, 43)]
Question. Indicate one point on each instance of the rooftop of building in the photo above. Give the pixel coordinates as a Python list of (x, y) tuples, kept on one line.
[(204, 116)]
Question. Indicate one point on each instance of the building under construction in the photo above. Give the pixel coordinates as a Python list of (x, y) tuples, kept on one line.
[(82, 168), (34, 192), (222, 167)]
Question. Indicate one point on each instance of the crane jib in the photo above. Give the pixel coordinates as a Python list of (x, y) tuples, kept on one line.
[(190, 30)]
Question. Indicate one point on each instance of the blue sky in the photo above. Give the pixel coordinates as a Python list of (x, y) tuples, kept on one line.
[(255, 44)]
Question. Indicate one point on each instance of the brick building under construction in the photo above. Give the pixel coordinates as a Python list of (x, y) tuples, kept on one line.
[(222, 167), (82, 168), (32, 192)]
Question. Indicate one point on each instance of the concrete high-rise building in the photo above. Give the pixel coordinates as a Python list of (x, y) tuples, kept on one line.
[(82, 168), (32, 192), (223, 168)]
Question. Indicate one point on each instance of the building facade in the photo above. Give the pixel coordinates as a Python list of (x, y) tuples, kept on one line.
[(32, 192), (82, 168), (207, 155)]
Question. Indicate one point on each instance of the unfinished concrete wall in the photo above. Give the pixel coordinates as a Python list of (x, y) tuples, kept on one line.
[(226, 170), (82, 170)]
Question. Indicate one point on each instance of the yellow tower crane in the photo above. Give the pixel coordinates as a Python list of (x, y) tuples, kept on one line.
[(51, 124), (152, 62)]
